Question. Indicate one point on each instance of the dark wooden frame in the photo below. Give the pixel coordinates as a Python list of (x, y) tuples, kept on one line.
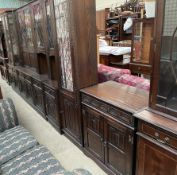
[(156, 63)]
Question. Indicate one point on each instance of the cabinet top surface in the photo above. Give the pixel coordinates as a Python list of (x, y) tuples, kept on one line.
[(125, 97), (157, 120)]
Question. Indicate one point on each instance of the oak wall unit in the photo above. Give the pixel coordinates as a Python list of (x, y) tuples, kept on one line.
[(76, 37), (33, 68)]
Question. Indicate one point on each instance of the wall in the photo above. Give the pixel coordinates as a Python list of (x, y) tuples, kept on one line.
[(102, 4), (12, 3)]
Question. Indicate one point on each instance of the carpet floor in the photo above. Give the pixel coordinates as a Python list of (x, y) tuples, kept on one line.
[(63, 149)]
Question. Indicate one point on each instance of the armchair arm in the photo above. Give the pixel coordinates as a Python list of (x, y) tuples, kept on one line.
[(8, 116)]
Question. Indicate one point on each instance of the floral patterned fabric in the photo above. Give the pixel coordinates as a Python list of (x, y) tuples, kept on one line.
[(106, 73), (35, 161), (14, 142), (8, 116), (138, 82)]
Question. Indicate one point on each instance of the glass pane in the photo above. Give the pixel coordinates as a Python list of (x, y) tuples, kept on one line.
[(62, 14), (29, 39), (49, 23), (38, 25), (13, 34), (7, 37), (21, 19), (167, 92)]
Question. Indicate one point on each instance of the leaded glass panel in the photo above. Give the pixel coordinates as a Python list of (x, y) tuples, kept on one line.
[(21, 19), (38, 25), (13, 34), (29, 38), (63, 18), (167, 92), (49, 23), (7, 37)]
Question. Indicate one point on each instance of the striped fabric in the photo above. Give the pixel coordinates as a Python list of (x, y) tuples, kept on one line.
[(8, 116), (36, 161), (13, 142)]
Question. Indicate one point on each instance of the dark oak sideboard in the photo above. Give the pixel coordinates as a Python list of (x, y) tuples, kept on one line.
[(156, 144), (109, 125)]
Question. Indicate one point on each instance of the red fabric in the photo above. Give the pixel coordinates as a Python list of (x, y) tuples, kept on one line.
[(135, 81), (106, 73)]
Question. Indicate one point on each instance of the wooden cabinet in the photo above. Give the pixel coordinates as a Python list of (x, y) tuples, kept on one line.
[(76, 40), (142, 46), (52, 104), (108, 141), (119, 141), (109, 126), (38, 96), (156, 151), (164, 79), (94, 133)]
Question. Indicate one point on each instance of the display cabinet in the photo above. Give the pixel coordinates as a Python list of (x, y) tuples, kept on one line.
[(11, 45), (142, 46), (76, 31), (164, 80), (26, 28)]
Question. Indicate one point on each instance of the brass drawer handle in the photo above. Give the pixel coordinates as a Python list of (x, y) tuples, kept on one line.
[(166, 139)]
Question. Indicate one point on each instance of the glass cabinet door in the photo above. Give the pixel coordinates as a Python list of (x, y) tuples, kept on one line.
[(28, 28), (38, 18), (48, 5), (22, 28), (7, 38), (63, 23), (167, 86), (14, 36)]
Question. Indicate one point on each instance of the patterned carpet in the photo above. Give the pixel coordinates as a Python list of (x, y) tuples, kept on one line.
[(67, 153)]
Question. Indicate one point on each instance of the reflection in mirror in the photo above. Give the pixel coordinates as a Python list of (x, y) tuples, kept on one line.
[(167, 92)]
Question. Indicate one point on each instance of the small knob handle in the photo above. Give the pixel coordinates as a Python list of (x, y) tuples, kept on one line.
[(157, 134), (167, 139)]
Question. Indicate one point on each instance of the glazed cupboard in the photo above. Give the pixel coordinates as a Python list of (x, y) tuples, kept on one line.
[(48, 55)]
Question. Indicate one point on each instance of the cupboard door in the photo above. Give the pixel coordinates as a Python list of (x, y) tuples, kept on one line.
[(119, 148), (93, 133), (154, 159), (71, 118), (38, 97)]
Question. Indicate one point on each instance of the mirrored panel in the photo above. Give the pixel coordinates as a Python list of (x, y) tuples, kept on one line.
[(167, 92)]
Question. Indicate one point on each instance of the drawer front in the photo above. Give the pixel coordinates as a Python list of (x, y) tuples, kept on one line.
[(159, 135), (117, 113), (50, 91), (38, 84), (140, 69)]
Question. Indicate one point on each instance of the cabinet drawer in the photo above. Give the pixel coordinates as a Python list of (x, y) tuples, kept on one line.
[(159, 135), (50, 91), (144, 69), (105, 108)]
